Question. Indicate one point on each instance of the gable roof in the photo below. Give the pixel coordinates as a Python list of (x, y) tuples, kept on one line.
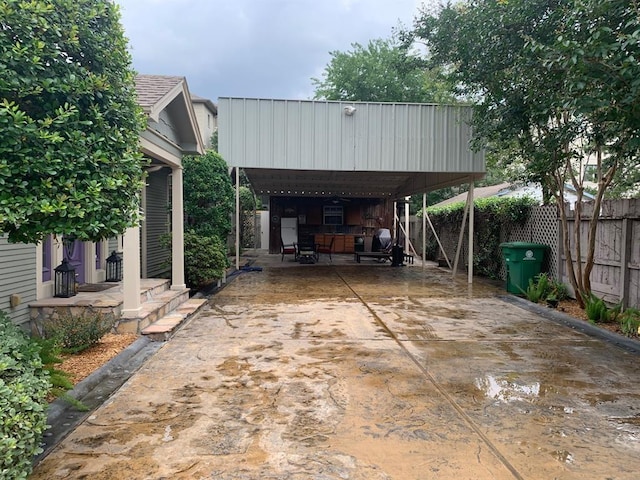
[(156, 93), (152, 89)]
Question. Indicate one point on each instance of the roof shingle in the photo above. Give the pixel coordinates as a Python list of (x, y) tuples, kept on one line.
[(150, 89)]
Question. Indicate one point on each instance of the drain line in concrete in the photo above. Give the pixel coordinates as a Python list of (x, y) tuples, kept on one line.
[(433, 381)]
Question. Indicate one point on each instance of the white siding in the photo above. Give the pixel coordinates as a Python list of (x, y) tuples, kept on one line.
[(17, 277), (310, 135)]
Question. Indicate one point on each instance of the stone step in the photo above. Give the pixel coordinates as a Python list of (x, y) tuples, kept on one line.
[(152, 310), (165, 327), (153, 290)]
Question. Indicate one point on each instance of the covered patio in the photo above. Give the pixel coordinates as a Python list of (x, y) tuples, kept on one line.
[(342, 168)]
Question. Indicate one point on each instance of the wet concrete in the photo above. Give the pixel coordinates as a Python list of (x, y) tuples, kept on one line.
[(365, 372)]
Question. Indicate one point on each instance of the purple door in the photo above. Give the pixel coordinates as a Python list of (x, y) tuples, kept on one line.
[(74, 253)]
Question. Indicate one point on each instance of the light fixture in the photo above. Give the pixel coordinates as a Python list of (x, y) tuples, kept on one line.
[(65, 280), (114, 267), (349, 110)]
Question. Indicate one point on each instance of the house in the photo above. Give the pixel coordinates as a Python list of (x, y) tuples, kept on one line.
[(507, 189), (207, 116), (27, 281)]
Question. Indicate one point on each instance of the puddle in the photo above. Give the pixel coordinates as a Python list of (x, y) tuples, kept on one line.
[(507, 390), (563, 456)]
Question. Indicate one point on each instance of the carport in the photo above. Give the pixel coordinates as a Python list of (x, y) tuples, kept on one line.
[(348, 150)]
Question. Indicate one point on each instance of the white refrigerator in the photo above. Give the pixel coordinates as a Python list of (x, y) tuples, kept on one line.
[(289, 230)]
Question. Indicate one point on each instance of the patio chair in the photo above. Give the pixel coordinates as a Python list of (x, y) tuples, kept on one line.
[(325, 248), (288, 249)]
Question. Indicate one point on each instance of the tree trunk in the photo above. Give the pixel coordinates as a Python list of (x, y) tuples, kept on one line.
[(603, 183), (566, 240)]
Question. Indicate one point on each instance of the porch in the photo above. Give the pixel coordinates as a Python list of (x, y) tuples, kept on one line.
[(159, 305)]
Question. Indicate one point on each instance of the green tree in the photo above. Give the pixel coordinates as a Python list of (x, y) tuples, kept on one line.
[(69, 160), (386, 70), (540, 70), (383, 71), (208, 195)]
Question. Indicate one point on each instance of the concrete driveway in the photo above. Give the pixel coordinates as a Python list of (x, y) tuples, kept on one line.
[(366, 371)]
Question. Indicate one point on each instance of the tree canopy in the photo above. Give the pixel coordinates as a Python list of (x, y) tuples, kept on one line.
[(383, 71), (69, 158), (557, 82)]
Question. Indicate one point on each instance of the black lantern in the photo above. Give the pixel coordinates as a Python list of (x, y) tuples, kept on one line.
[(114, 267), (65, 280)]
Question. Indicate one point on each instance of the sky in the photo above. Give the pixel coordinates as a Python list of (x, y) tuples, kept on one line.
[(253, 48)]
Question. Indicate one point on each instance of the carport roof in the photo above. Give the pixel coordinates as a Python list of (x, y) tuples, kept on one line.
[(320, 148)]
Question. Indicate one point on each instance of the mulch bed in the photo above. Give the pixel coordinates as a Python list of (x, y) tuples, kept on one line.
[(571, 307), (80, 365)]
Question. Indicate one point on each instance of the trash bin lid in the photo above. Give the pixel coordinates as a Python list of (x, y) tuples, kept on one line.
[(522, 245)]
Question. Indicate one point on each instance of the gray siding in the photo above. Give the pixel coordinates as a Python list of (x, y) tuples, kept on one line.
[(112, 245), (166, 127), (156, 223), (17, 276), (306, 135)]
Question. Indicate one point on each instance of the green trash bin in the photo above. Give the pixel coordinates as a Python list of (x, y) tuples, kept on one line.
[(524, 262)]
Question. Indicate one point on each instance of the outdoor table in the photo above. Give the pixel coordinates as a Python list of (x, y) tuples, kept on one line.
[(306, 254)]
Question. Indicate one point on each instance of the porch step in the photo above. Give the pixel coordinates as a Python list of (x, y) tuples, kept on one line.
[(165, 327), (153, 309), (154, 289)]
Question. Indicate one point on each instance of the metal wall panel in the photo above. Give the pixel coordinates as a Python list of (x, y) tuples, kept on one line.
[(313, 135)]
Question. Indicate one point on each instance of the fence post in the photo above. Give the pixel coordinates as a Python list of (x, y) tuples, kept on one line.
[(624, 261), (560, 258)]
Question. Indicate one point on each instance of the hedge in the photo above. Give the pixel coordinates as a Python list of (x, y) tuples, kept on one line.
[(24, 385)]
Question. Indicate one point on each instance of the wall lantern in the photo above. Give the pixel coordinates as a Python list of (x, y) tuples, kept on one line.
[(65, 280), (114, 267)]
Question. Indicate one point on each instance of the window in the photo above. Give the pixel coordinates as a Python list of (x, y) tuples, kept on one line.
[(47, 245), (591, 173), (98, 255), (333, 215)]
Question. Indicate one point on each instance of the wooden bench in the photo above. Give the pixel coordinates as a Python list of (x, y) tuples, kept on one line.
[(380, 255)]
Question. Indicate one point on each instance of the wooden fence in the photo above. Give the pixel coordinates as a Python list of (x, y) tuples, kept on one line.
[(616, 271)]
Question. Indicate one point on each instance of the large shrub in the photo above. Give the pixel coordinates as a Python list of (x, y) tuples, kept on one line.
[(493, 219), (24, 386), (69, 154), (208, 195), (205, 258)]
